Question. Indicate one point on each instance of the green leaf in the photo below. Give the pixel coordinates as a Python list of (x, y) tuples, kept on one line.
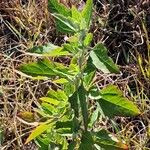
[(43, 143), (49, 109), (69, 89), (60, 81), (74, 40), (46, 68), (89, 74), (107, 141), (44, 48), (65, 124), (101, 60), (49, 100), (74, 101), (88, 39), (70, 48), (76, 15), (113, 103), (64, 132), (66, 24), (94, 117), (87, 12), (82, 94), (57, 7), (94, 93), (37, 131), (88, 80), (72, 145), (41, 68), (87, 142), (49, 50), (58, 95)]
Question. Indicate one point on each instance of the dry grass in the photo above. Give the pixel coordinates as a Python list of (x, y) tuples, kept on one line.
[(23, 25)]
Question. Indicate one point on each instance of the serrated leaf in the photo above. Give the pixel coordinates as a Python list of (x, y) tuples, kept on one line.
[(57, 7), (101, 60), (37, 131), (41, 68), (49, 50), (46, 68), (66, 24), (87, 12), (107, 141), (113, 103)]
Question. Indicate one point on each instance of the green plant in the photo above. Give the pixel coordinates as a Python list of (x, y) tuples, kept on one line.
[(69, 114)]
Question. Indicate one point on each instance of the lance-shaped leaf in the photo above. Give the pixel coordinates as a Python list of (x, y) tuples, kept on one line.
[(60, 81), (46, 68), (113, 103), (89, 74), (66, 24), (40, 68), (57, 7), (82, 94), (50, 100), (49, 50), (87, 12), (105, 140), (38, 131), (74, 101), (49, 109), (101, 60)]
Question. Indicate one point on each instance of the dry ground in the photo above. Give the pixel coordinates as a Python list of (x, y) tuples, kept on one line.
[(124, 27)]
